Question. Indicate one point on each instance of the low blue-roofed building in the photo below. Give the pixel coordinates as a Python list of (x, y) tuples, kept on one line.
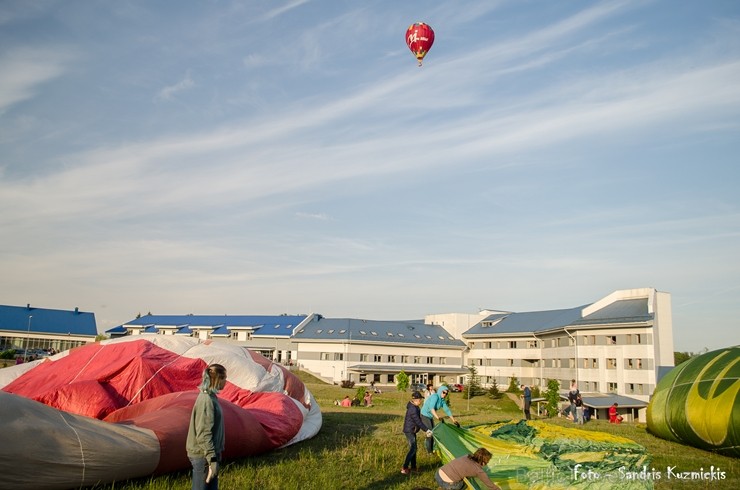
[(29, 327), (270, 335)]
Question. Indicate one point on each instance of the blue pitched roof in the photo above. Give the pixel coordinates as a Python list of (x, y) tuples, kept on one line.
[(262, 325), (118, 329), (44, 320), (395, 332)]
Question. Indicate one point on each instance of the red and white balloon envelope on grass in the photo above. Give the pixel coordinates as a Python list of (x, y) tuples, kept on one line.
[(120, 409), (419, 39)]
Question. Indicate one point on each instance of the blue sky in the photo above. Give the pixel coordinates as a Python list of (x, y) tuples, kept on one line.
[(289, 156)]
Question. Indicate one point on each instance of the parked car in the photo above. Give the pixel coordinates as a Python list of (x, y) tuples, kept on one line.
[(418, 387), (456, 387)]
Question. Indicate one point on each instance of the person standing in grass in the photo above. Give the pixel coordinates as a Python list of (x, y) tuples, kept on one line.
[(527, 398), (452, 475), (429, 412), (206, 435), (411, 425)]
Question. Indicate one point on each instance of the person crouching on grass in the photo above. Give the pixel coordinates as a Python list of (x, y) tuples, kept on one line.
[(411, 425), (205, 441), (451, 476)]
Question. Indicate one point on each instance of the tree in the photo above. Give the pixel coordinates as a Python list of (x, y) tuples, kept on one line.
[(679, 357), (402, 381), (494, 392), (552, 395), (472, 387), (514, 386)]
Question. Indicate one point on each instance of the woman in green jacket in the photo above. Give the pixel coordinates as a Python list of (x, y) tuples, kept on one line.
[(205, 441)]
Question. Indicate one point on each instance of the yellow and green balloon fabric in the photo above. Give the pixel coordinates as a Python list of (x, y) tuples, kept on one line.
[(698, 403)]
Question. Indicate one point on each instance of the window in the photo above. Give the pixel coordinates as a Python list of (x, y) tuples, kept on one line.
[(405, 359), (378, 358), (611, 363), (638, 363), (338, 356), (585, 363), (363, 377), (611, 387), (571, 341), (591, 340), (630, 364), (594, 363), (638, 338), (487, 345), (324, 356), (417, 359), (374, 333), (391, 358), (512, 344), (531, 344), (330, 331), (443, 360), (510, 362), (596, 386), (364, 357), (571, 363), (362, 332), (391, 378), (430, 360), (611, 340)]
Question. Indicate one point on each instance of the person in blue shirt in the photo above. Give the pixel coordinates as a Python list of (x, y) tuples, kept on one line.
[(430, 412), (527, 397)]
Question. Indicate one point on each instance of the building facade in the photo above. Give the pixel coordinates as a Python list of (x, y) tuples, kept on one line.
[(28, 328), (621, 344)]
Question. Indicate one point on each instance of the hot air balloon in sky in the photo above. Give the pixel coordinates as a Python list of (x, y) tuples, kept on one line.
[(419, 39)]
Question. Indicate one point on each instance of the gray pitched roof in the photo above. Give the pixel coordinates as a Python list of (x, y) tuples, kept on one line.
[(523, 323), (621, 311), (392, 332)]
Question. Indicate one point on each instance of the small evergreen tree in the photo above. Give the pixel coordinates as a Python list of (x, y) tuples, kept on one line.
[(472, 387), (514, 386), (494, 392), (552, 395), (402, 381)]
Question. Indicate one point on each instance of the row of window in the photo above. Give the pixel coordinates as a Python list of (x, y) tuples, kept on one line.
[(587, 363), (627, 339), (391, 358)]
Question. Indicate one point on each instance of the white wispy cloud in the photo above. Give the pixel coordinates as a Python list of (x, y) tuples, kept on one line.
[(167, 93), (25, 70)]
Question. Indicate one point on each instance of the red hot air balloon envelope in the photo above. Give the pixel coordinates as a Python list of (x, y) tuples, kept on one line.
[(419, 39)]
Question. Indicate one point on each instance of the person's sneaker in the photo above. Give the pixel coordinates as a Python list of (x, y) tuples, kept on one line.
[(405, 471)]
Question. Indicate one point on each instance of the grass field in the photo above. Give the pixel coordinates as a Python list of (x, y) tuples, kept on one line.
[(363, 449)]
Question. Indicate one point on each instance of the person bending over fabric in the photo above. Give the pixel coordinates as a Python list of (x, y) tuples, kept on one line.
[(205, 441), (451, 476), (411, 425), (429, 412)]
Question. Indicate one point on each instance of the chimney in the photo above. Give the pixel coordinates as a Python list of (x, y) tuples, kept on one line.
[(28, 306), (77, 310)]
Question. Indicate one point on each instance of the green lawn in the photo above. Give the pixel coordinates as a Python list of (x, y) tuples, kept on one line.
[(363, 448)]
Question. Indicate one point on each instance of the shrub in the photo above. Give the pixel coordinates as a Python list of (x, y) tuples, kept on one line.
[(514, 386), (402, 381), (347, 383)]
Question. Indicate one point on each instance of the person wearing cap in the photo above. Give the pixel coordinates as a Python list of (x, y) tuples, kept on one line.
[(411, 425), (430, 412)]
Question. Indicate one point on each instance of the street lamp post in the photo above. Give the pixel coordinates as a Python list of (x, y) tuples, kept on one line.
[(28, 337)]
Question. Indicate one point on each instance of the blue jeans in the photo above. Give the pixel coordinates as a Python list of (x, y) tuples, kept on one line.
[(429, 442), (200, 471), (458, 485), (410, 461)]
